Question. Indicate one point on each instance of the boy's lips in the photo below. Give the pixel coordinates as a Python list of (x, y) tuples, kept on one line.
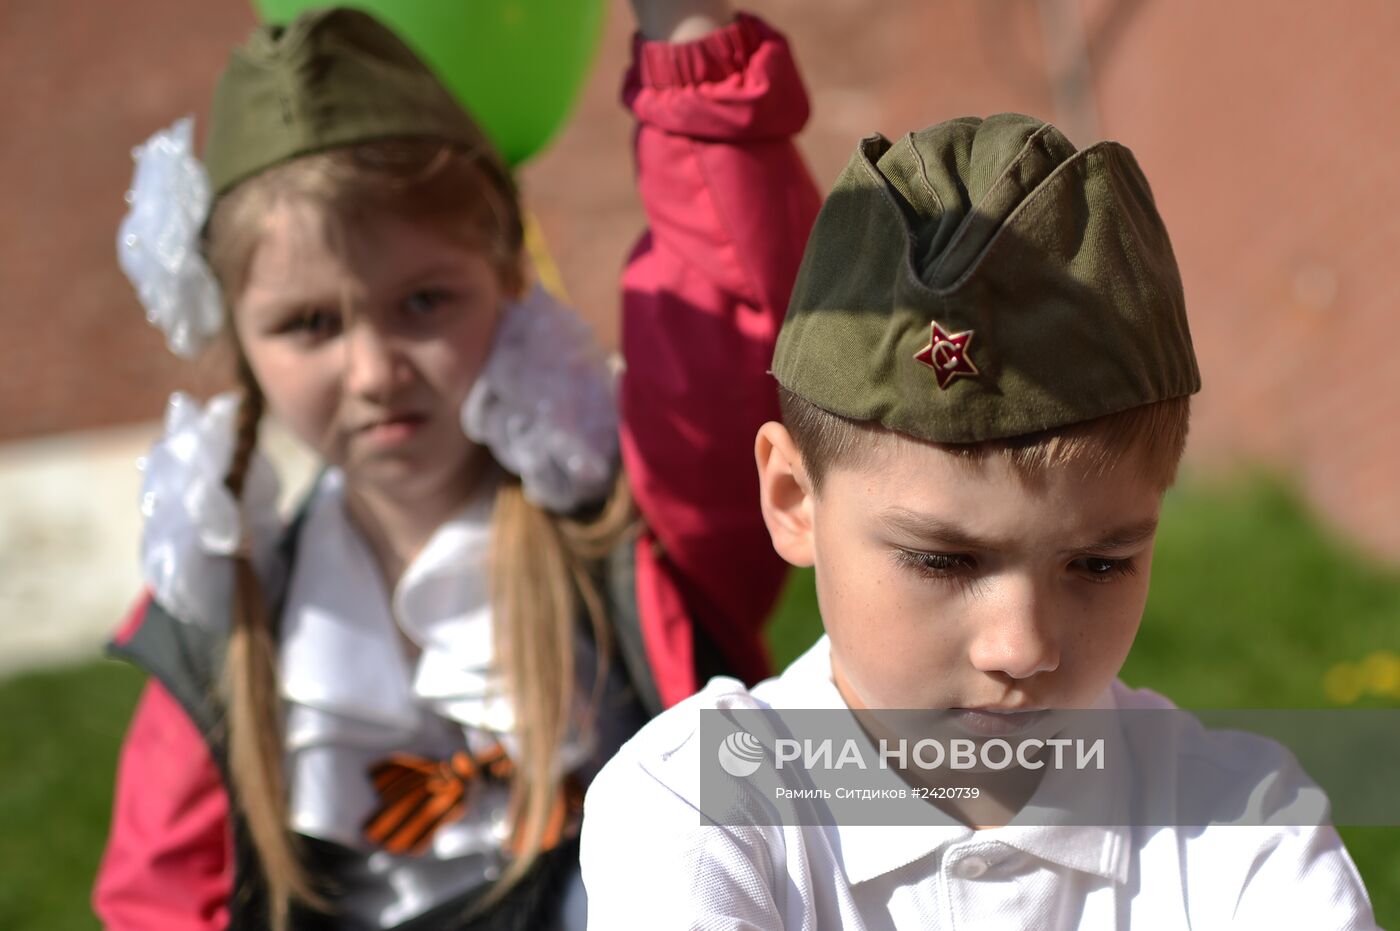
[(996, 721)]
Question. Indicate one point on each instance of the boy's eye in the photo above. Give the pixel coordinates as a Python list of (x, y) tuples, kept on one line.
[(1102, 569), (936, 564), (955, 569)]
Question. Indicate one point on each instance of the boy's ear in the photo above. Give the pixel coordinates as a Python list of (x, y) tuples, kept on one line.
[(785, 493)]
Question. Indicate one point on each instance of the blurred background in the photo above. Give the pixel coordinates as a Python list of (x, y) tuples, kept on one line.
[(1268, 132)]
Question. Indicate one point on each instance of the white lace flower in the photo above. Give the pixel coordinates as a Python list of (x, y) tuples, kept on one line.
[(158, 242), (545, 405), (192, 520)]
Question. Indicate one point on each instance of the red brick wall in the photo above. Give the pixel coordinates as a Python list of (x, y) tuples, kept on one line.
[(83, 83), (1269, 140)]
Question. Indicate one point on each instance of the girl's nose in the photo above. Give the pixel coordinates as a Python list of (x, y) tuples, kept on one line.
[(374, 366), (1016, 634)]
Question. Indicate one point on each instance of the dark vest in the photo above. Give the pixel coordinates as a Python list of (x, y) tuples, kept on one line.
[(187, 660)]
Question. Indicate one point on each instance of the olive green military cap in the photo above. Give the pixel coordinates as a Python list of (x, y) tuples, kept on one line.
[(983, 279), (330, 78)]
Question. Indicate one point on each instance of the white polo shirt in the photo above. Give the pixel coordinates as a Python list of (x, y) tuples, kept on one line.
[(648, 862)]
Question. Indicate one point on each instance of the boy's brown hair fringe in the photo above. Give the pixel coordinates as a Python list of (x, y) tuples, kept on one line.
[(1156, 432)]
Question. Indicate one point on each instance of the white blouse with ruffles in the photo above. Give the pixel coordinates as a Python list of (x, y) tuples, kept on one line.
[(353, 696)]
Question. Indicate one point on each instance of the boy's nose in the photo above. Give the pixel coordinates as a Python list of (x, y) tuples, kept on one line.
[(373, 365), (1016, 637)]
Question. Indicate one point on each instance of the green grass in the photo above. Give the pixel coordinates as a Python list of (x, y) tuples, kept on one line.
[(59, 734), (1252, 603)]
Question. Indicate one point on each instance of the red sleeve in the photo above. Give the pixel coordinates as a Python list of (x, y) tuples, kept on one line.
[(168, 862), (729, 204)]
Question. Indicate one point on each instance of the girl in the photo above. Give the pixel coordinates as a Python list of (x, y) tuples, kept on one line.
[(383, 714)]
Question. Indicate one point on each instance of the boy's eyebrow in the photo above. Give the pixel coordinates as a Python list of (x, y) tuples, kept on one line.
[(1124, 537), (928, 527)]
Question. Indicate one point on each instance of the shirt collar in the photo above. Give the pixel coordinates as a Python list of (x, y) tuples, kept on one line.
[(870, 851), (1100, 849)]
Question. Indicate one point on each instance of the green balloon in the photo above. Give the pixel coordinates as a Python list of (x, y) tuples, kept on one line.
[(516, 65)]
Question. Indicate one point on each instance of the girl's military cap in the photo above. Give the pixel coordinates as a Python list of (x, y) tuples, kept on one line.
[(330, 78), (983, 279)]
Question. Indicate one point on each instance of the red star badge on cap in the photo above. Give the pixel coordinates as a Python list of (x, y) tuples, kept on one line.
[(946, 354)]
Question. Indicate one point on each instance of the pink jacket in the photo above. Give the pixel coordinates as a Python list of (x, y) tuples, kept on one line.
[(729, 204)]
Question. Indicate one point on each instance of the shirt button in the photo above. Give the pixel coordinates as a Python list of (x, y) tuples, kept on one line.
[(970, 867)]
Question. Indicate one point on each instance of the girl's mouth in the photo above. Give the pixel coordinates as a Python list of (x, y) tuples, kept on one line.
[(393, 430)]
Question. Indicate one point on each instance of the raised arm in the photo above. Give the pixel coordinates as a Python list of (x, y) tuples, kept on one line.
[(681, 20), (729, 205)]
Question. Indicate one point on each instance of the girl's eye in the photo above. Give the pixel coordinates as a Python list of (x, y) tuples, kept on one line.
[(424, 302), (317, 324), (1101, 569)]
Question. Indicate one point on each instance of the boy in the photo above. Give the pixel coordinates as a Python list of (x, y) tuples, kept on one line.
[(985, 373)]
